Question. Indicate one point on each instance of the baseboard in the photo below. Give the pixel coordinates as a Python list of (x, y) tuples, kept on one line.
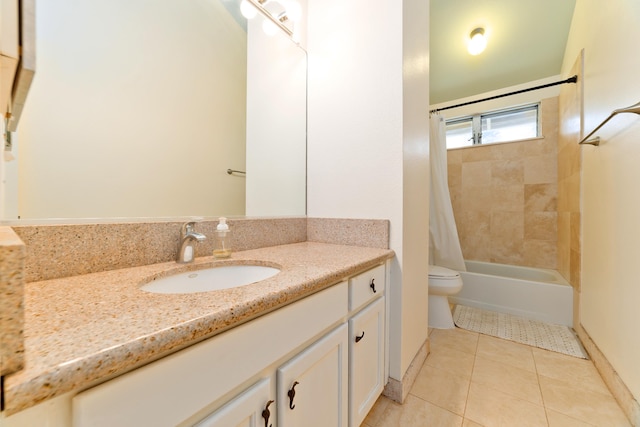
[(611, 378), (399, 390)]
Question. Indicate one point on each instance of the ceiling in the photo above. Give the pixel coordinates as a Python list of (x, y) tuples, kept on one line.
[(526, 41)]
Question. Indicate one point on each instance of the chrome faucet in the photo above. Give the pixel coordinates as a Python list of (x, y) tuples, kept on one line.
[(187, 236)]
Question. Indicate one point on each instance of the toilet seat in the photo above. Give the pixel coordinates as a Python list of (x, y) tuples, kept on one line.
[(437, 272)]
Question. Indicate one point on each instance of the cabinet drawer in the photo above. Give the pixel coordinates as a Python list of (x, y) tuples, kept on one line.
[(366, 286)]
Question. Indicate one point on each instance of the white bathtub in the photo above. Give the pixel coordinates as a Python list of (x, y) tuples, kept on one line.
[(534, 293)]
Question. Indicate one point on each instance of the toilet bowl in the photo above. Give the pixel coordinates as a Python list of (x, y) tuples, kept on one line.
[(442, 283)]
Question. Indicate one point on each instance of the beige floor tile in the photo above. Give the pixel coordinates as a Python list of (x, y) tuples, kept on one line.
[(491, 408), (582, 404), (579, 372), (451, 360), (376, 412), (507, 352), (468, 423), (456, 338), (507, 379), (556, 419), (417, 413), (442, 388)]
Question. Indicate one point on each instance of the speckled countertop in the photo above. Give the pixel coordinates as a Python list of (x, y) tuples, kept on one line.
[(82, 330)]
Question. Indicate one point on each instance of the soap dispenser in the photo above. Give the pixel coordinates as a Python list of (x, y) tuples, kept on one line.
[(222, 245)]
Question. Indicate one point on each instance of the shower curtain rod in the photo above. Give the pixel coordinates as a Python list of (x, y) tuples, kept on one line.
[(572, 79)]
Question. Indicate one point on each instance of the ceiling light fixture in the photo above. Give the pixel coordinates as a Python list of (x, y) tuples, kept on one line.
[(477, 41), (250, 8)]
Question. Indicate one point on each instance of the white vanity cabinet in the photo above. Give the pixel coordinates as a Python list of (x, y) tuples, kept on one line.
[(301, 363)]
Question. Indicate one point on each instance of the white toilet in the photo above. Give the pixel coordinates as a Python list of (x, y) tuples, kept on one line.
[(442, 283)]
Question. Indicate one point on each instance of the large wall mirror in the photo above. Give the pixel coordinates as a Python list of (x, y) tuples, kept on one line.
[(139, 108)]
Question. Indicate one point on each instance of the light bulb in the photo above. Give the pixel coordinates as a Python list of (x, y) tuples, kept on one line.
[(477, 42), (248, 10)]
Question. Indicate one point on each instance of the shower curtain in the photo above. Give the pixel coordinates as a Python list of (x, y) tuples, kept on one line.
[(444, 244)]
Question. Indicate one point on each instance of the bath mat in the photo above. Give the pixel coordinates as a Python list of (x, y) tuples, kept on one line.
[(558, 338)]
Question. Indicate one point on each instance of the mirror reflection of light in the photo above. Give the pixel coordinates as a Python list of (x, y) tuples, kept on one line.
[(248, 10)]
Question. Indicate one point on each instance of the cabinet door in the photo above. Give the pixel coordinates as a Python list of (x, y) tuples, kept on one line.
[(246, 410), (366, 360), (312, 387)]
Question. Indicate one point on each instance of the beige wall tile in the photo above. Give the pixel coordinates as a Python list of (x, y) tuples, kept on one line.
[(540, 197), (507, 178), (476, 174), (507, 198), (475, 198), (505, 251), (507, 226), (541, 225), (510, 150), (575, 263), (476, 223), (541, 254), (477, 153), (541, 169), (454, 156), (476, 248), (508, 172), (573, 187), (563, 251), (574, 231), (454, 175)]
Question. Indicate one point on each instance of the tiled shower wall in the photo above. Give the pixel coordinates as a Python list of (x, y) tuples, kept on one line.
[(569, 166), (504, 197)]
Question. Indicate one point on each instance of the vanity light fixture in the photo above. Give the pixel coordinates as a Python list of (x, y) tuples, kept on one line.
[(477, 41), (249, 9)]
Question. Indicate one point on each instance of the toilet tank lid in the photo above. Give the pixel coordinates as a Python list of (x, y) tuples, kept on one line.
[(437, 271)]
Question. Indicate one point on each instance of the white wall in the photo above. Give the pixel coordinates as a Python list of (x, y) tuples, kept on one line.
[(609, 33), (368, 139), (130, 113)]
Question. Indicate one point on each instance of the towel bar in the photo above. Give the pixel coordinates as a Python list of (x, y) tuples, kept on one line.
[(635, 108)]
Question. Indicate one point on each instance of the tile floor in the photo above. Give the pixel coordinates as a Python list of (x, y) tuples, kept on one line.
[(471, 380)]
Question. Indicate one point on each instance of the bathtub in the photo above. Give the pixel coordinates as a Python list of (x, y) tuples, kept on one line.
[(534, 293)]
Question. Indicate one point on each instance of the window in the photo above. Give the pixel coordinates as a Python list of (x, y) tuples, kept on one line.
[(497, 126)]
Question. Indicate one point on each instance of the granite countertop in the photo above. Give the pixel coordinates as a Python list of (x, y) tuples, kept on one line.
[(83, 330)]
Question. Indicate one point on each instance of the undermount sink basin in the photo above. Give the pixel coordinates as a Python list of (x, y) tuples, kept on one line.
[(210, 279)]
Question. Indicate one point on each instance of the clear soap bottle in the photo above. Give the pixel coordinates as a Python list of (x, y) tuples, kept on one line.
[(222, 245)]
